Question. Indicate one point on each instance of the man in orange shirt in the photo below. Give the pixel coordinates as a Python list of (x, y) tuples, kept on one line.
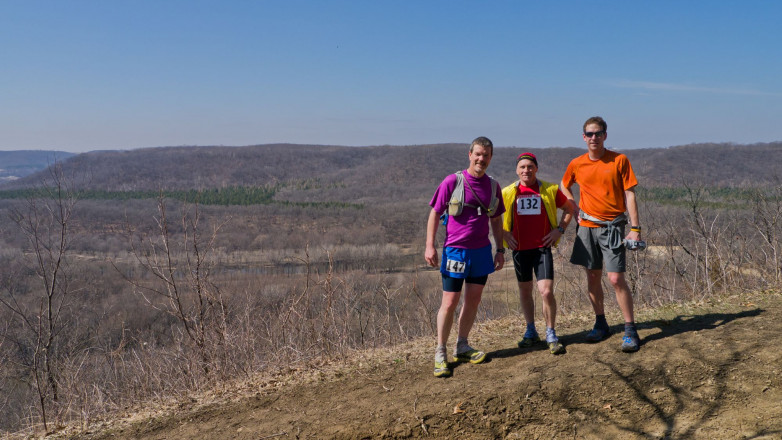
[(607, 189)]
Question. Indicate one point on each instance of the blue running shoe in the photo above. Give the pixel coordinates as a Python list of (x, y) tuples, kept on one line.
[(598, 334), (631, 343)]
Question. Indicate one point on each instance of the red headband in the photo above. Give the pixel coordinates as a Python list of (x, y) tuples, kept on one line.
[(528, 156)]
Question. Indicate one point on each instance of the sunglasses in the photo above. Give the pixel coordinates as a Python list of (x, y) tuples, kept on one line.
[(589, 134)]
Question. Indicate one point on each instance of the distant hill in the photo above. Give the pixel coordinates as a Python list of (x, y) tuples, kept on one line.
[(712, 164), (17, 164), (397, 171)]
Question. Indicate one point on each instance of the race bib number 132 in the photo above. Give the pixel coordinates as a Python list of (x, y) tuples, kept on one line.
[(528, 204)]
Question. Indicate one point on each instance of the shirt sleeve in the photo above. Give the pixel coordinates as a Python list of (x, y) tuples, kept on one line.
[(442, 194), (561, 198), (626, 171), (501, 205), (569, 178)]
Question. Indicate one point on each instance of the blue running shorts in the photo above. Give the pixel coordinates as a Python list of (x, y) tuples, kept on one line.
[(467, 263)]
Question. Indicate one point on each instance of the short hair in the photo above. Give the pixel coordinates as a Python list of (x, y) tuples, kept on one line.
[(484, 142), (596, 120)]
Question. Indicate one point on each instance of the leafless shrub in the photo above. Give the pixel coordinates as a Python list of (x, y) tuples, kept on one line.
[(182, 285), (767, 221), (699, 251), (41, 307)]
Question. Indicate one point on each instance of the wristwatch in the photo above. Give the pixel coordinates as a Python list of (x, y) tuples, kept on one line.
[(561, 229), (501, 251)]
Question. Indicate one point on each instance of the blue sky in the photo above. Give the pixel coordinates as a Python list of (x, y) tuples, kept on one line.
[(121, 74)]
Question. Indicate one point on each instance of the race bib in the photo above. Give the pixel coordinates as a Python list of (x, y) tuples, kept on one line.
[(454, 266), (528, 204)]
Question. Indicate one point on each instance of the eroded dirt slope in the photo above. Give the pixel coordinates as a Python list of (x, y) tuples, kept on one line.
[(710, 372)]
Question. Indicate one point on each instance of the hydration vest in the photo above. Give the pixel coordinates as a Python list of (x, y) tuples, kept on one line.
[(456, 204)]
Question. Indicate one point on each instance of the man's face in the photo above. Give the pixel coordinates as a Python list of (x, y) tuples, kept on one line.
[(526, 170), (594, 136), (480, 157)]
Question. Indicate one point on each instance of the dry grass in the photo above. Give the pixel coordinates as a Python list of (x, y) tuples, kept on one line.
[(329, 315), (365, 363)]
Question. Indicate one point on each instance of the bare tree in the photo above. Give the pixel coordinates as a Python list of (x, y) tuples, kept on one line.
[(3, 361), (767, 216), (180, 266), (42, 313)]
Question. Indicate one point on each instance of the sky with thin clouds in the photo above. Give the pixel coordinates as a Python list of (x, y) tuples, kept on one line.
[(82, 75)]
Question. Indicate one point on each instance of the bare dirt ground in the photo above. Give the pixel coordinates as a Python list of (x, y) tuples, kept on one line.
[(703, 372)]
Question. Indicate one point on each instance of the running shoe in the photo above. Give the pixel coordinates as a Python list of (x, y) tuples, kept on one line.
[(528, 341), (598, 334), (631, 343), (556, 348), (472, 356), (441, 369)]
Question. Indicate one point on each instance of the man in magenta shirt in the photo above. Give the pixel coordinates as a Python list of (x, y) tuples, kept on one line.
[(467, 252)]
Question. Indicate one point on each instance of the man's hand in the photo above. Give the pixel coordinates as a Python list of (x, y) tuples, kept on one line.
[(551, 238), (508, 237), (499, 260), (633, 235), (431, 256)]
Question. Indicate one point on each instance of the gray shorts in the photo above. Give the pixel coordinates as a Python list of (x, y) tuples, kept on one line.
[(590, 249)]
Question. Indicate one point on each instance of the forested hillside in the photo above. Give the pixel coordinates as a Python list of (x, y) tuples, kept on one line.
[(393, 170)]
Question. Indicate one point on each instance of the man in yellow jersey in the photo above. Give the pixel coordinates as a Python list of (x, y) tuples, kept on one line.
[(530, 230)]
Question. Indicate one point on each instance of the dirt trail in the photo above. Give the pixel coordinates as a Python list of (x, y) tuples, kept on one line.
[(710, 372)]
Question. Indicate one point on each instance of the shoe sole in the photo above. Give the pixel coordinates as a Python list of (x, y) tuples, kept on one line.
[(557, 351), (528, 344), (593, 340), (480, 360)]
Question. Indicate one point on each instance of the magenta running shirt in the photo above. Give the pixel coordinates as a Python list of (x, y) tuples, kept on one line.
[(468, 230)]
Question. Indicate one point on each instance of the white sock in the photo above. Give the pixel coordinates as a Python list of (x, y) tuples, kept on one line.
[(462, 345), (551, 335), (440, 354)]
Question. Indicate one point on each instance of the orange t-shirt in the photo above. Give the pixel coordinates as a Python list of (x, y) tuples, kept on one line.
[(602, 184)]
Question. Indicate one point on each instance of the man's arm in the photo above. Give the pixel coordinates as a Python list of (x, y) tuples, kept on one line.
[(567, 216), (496, 230), (568, 211), (632, 212), (566, 191), (431, 233)]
